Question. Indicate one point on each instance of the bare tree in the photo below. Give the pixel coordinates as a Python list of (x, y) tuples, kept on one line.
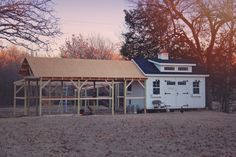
[(27, 22), (93, 47), (201, 24), (198, 27)]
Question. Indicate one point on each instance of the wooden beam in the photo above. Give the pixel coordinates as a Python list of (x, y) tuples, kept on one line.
[(21, 98), (14, 102), (91, 78), (22, 86), (141, 84), (40, 97), (118, 94), (137, 97), (49, 94), (19, 82), (112, 101), (74, 84), (28, 97), (129, 84), (85, 102), (83, 84), (97, 97), (25, 101), (59, 98), (125, 91), (44, 84), (108, 83), (78, 95), (37, 98)]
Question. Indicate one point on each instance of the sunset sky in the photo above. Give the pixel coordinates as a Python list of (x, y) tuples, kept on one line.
[(103, 17)]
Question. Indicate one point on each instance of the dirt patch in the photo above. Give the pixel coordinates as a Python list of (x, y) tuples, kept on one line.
[(202, 133)]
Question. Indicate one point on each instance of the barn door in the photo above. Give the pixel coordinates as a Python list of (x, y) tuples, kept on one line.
[(170, 92), (182, 93)]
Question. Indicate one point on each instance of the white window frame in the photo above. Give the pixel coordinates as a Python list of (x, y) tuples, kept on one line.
[(156, 87), (183, 69), (196, 86)]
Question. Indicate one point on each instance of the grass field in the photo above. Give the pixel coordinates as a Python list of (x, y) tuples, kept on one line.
[(196, 133)]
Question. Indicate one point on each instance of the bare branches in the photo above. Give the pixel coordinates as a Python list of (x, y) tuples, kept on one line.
[(93, 47), (26, 22)]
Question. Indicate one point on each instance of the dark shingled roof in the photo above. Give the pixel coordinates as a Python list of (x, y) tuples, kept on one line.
[(149, 68), (174, 61)]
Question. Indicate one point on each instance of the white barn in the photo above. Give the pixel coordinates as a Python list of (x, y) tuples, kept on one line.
[(171, 84)]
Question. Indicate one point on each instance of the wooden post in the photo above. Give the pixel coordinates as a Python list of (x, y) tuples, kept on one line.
[(97, 99), (112, 101), (37, 97), (118, 95), (28, 96), (78, 95), (49, 94), (145, 97), (25, 96), (40, 97), (75, 100), (125, 91), (85, 101), (94, 88), (14, 103), (61, 101), (109, 96)]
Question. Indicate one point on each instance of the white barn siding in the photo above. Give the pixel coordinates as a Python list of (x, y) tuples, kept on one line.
[(176, 98)]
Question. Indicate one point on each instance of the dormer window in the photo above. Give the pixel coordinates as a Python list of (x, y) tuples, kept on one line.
[(182, 68), (169, 68), (172, 66)]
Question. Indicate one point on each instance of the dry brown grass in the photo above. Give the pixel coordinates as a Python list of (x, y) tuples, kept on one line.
[(202, 133)]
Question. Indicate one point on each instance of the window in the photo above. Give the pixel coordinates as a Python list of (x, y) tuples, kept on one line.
[(196, 89), (156, 87), (182, 83), (182, 68), (170, 82), (169, 68)]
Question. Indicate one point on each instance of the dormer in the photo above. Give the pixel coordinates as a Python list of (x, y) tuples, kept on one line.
[(164, 64)]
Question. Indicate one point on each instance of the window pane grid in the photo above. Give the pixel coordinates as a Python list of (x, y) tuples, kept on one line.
[(183, 68), (196, 89), (156, 87)]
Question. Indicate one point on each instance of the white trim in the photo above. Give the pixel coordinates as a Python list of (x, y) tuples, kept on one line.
[(133, 97), (174, 75), (196, 95), (156, 95), (171, 64)]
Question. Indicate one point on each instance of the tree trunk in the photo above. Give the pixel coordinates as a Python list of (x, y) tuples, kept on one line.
[(209, 96)]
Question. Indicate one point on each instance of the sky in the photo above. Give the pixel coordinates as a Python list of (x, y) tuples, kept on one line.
[(102, 17)]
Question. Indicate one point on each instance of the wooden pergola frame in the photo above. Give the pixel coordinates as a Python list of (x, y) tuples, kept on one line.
[(41, 82)]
